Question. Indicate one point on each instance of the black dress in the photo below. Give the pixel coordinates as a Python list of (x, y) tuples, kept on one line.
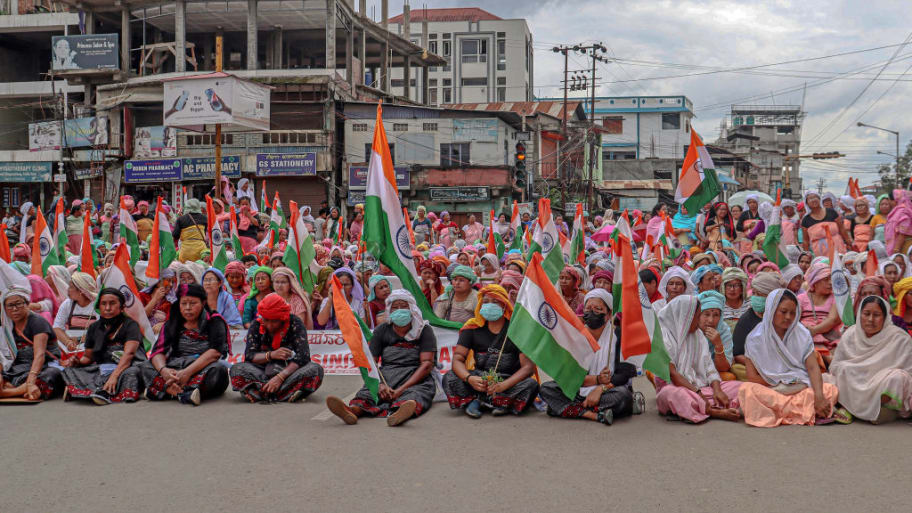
[(107, 338), (487, 347), (48, 380), (185, 347), (249, 378), (400, 358)]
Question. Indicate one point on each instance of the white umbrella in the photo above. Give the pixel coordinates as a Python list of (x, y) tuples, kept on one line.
[(740, 198)]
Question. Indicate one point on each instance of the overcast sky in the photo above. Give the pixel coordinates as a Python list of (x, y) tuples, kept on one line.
[(728, 34)]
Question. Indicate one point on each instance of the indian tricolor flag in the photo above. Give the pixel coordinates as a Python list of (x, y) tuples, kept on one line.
[(842, 291), (299, 251), (622, 235), (4, 245), (385, 234), (578, 238), (60, 234), (264, 200), (545, 240), (516, 228), (495, 241), (43, 253), (161, 248), (698, 184), (87, 260), (128, 232), (120, 277), (236, 245), (773, 247), (548, 332), (640, 330), (357, 336), (218, 257)]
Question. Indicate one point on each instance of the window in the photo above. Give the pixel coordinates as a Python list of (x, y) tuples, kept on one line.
[(433, 96), (501, 54), (454, 154), (502, 81), (432, 46), (501, 94), (432, 36), (447, 95), (671, 121), (432, 82), (661, 175), (447, 81), (502, 35), (359, 127), (614, 124), (400, 127), (397, 82), (367, 152), (429, 127), (447, 35), (446, 48), (474, 50), (470, 82)]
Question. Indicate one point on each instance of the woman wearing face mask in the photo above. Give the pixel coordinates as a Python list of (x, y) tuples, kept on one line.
[(184, 362), (513, 390), (872, 366), (696, 391), (785, 383), (674, 283), (277, 365), (607, 392), (407, 348), (761, 285)]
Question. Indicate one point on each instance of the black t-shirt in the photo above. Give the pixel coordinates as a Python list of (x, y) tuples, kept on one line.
[(745, 325), (747, 215), (36, 325), (487, 346), (853, 220), (830, 216), (97, 340), (386, 337)]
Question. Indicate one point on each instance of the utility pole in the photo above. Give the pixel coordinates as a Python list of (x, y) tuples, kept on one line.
[(218, 126), (560, 174), (820, 183)]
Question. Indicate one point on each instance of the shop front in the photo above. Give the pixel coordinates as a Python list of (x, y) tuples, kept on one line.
[(25, 181)]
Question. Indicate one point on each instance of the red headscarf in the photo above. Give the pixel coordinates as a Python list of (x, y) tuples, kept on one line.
[(274, 308)]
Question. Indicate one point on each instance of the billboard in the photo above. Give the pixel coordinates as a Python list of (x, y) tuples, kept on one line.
[(89, 51), (216, 98), (80, 132), (44, 136), (357, 177), (139, 171), (151, 142), (286, 164)]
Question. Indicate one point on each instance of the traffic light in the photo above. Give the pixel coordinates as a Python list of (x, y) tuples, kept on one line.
[(519, 166)]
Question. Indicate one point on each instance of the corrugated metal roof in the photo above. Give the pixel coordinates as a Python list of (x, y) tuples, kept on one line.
[(636, 184), (448, 14), (554, 109)]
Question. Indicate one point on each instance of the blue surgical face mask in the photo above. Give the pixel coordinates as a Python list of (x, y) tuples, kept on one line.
[(491, 311), (401, 317), (758, 304)]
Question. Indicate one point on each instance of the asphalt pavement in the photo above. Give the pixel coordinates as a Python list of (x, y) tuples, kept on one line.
[(228, 455)]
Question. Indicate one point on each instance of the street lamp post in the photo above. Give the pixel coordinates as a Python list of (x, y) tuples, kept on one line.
[(894, 132)]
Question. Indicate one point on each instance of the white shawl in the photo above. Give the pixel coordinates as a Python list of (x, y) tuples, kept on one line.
[(673, 272), (863, 366), (780, 360), (689, 352)]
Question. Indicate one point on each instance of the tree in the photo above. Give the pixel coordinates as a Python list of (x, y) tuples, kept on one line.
[(888, 173)]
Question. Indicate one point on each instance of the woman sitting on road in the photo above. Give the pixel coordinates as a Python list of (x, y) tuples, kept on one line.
[(696, 391), (501, 379), (717, 333), (25, 358), (785, 384), (817, 312), (707, 277), (607, 392), (262, 287), (674, 283), (109, 370), (77, 311), (407, 348), (460, 300), (287, 286), (872, 366), (379, 289), (218, 300), (734, 287), (354, 296), (277, 365), (185, 360)]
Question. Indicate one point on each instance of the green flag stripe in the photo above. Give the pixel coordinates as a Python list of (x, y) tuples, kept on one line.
[(539, 346)]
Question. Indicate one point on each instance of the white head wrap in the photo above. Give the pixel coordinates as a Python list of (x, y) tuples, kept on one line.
[(8, 348), (599, 293), (418, 322), (676, 272), (790, 272), (780, 360)]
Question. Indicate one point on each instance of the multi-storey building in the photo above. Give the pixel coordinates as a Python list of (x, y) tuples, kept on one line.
[(489, 59)]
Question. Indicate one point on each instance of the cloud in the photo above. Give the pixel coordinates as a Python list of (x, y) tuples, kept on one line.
[(738, 34)]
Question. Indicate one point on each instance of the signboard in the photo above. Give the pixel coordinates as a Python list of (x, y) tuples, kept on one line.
[(524, 136), (150, 142), (525, 208), (204, 168), (10, 196), (216, 98), (138, 171), (90, 51), (286, 164), (570, 209), (460, 193), (355, 197), (44, 136), (60, 178), (81, 132), (25, 171), (357, 177), (479, 130), (87, 173)]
